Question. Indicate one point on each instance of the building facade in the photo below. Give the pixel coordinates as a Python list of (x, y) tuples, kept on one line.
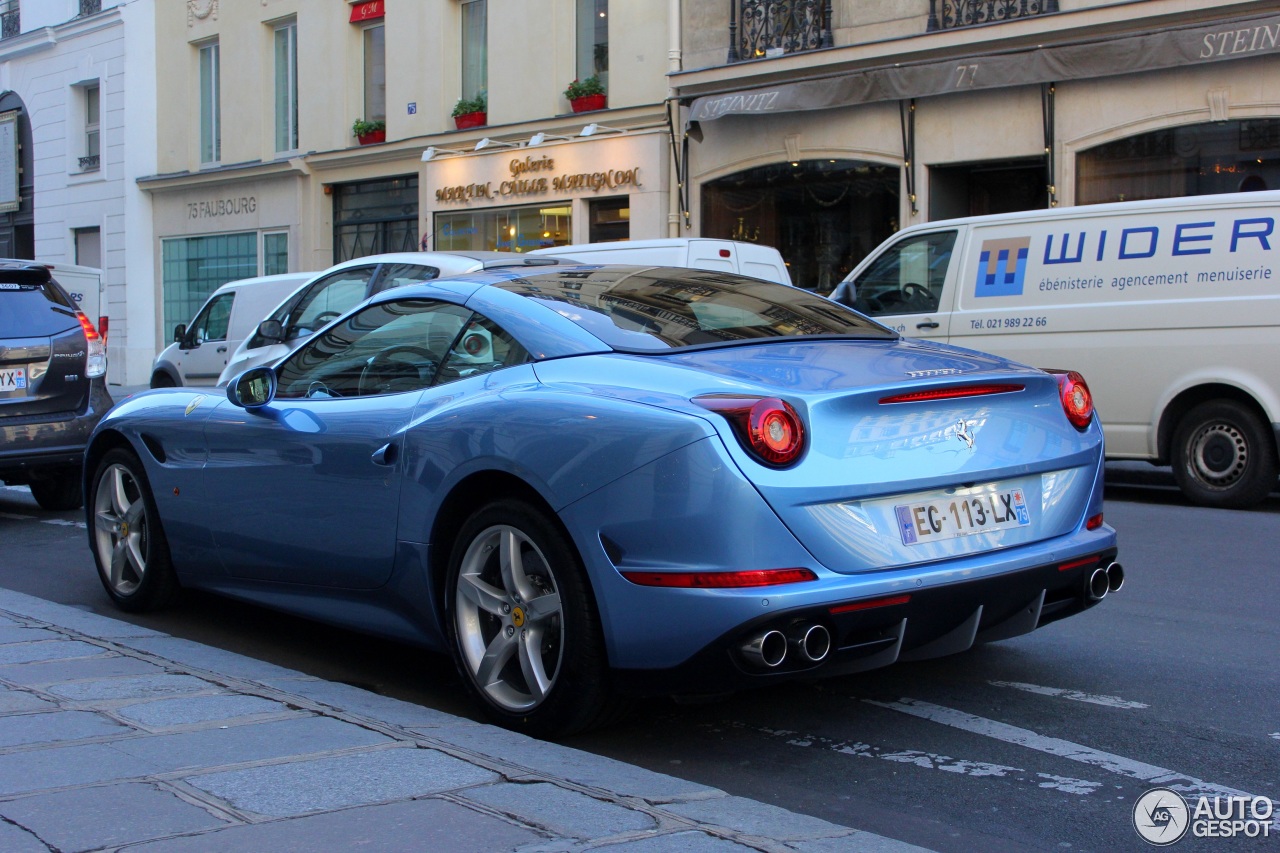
[(77, 126), (260, 168), (823, 126)]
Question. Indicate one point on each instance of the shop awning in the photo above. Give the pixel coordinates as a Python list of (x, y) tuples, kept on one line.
[(1104, 57)]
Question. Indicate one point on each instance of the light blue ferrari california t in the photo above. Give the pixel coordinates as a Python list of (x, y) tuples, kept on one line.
[(593, 482)]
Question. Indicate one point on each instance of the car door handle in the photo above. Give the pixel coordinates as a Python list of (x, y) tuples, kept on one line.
[(386, 454), (222, 349), (927, 325)]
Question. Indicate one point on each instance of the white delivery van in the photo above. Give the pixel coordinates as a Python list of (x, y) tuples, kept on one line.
[(1169, 308), (201, 348), (694, 252), (84, 286)]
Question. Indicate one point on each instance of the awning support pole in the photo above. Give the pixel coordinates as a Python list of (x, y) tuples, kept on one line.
[(907, 112)]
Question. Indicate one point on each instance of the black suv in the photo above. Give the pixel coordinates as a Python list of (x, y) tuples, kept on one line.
[(53, 388)]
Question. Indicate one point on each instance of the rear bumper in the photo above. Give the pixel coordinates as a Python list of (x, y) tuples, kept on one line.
[(52, 441), (912, 625)]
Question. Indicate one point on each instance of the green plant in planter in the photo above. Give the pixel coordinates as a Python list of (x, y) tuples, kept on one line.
[(583, 88), (478, 104), (363, 128)]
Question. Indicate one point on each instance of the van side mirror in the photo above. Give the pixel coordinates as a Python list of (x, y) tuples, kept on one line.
[(271, 330), (253, 389), (179, 333)]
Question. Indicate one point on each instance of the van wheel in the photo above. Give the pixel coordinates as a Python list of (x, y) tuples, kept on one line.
[(1224, 456), (162, 380)]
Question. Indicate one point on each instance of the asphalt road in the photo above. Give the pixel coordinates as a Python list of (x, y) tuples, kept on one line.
[(1043, 742)]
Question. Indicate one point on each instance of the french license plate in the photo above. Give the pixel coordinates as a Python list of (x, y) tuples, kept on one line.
[(961, 515), (13, 379)]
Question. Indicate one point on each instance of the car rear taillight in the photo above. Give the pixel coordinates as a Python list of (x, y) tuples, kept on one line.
[(1077, 402), (96, 350), (721, 580), (768, 428)]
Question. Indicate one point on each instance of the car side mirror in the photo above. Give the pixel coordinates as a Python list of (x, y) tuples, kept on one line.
[(253, 389), (179, 333), (271, 330)]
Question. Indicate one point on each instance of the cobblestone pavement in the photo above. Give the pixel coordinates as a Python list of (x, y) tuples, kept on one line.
[(115, 737)]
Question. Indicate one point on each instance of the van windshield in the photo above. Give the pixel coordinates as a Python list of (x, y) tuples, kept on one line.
[(643, 309), (906, 279)]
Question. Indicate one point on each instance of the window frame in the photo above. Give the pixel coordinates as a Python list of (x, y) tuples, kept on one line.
[(286, 125), (210, 76), (91, 103), (474, 69), (375, 89)]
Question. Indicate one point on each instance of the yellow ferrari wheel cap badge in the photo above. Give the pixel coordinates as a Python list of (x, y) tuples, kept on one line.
[(517, 617)]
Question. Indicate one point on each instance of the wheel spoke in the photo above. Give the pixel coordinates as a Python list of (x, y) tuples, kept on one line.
[(488, 598), (119, 558), (134, 551), (543, 607), (134, 515), (119, 499), (511, 563), (495, 658), (106, 522), (535, 674)]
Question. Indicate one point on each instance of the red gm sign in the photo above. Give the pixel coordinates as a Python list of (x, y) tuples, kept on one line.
[(368, 11)]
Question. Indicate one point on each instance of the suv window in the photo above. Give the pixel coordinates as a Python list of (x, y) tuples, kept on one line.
[(34, 310)]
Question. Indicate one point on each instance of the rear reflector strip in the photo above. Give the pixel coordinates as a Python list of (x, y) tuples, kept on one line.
[(952, 393), (1075, 564), (720, 580), (1094, 522), (869, 605)]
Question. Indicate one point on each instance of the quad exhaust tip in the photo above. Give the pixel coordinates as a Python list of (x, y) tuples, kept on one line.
[(767, 649), (811, 642), (1115, 577)]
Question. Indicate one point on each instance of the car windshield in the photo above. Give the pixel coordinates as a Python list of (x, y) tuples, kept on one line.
[(643, 309)]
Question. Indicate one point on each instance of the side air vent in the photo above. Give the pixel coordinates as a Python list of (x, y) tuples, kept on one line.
[(155, 447)]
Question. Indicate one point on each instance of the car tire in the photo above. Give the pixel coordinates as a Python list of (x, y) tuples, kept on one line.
[(539, 669), (129, 545), (160, 379), (58, 491), (1224, 456)]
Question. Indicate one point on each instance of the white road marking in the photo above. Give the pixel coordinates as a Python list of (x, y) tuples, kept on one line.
[(62, 522), (1076, 695), (15, 516), (1149, 773), (1275, 735), (933, 761)]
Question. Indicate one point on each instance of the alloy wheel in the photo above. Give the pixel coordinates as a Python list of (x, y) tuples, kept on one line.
[(509, 618), (120, 529)]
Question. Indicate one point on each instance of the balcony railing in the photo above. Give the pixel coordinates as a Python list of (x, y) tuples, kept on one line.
[(766, 28), (90, 7), (90, 162), (952, 14), (10, 22)]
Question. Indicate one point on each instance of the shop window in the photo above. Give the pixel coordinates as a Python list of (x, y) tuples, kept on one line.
[(286, 84), (275, 253), (609, 219), (509, 229), (371, 217), (210, 109), (1199, 159), (375, 73), (194, 267), (824, 216), (475, 48), (593, 40), (976, 189)]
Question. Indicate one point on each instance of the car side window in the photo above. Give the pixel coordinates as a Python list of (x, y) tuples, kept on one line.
[(483, 347), (328, 299), (388, 348), (398, 275), (908, 278), (211, 323)]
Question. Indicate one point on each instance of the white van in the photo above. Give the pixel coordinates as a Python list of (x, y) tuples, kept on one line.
[(201, 348), (84, 286), (1169, 308), (693, 252)]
